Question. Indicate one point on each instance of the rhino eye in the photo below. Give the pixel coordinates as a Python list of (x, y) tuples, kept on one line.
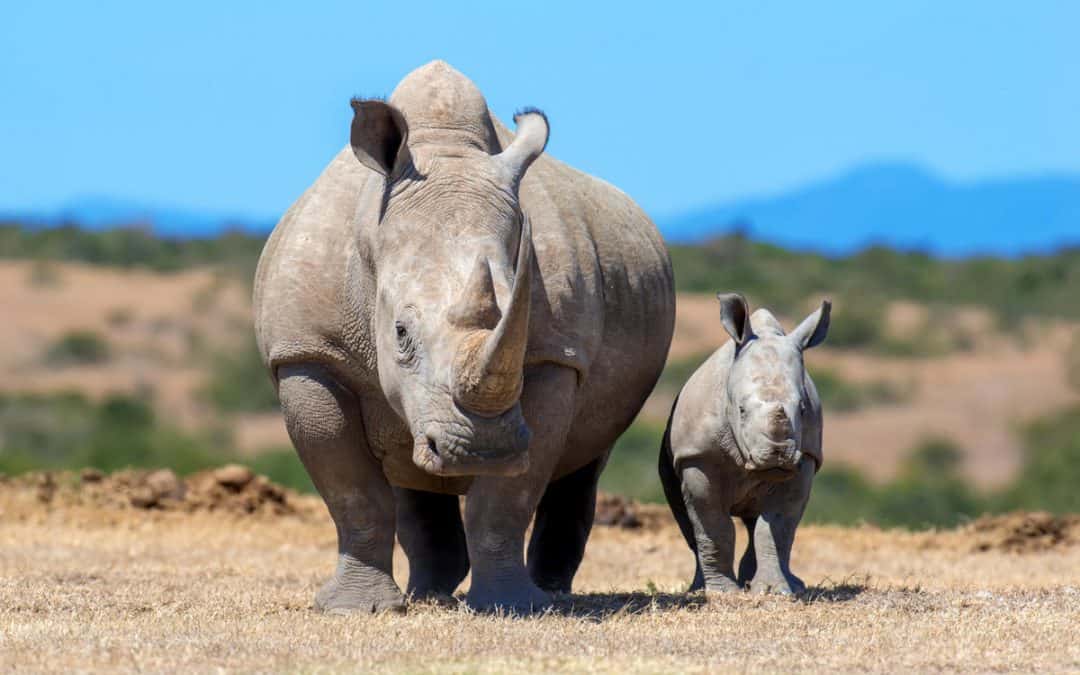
[(742, 412), (405, 343)]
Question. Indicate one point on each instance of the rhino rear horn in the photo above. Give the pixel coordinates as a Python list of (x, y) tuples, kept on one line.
[(528, 144)]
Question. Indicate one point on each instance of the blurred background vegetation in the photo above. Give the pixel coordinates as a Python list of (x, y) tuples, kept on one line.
[(46, 431)]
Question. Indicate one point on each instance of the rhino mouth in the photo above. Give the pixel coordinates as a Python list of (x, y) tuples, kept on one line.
[(775, 474), (443, 455)]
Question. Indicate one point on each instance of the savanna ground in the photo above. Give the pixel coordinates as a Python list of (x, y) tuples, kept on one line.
[(92, 583)]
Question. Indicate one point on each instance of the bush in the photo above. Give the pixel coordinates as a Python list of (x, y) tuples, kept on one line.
[(631, 470), (929, 492), (1050, 478), (78, 348), (239, 381)]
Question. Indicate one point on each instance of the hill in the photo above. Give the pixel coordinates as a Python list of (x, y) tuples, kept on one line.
[(904, 206)]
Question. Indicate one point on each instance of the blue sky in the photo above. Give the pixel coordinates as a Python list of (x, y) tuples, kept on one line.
[(236, 106)]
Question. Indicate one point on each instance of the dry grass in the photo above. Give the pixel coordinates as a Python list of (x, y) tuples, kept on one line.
[(104, 589)]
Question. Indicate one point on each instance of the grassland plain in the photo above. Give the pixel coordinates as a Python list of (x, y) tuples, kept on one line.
[(88, 586)]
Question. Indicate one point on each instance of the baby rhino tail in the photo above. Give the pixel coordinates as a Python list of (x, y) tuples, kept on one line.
[(673, 486)]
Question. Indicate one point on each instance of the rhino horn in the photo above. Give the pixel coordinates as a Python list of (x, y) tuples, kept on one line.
[(489, 367), (477, 308)]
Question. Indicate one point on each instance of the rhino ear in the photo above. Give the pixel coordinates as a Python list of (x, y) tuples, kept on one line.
[(378, 135), (529, 142), (812, 331), (735, 316)]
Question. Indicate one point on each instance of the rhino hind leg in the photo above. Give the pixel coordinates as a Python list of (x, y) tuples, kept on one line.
[(669, 480), (564, 519), (748, 563), (324, 422), (431, 533)]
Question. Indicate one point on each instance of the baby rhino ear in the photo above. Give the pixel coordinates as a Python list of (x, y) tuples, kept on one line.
[(812, 331), (735, 316)]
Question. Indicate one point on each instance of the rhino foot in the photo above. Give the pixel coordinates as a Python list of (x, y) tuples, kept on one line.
[(524, 598), (722, 586), (791, 586), (359, 589)]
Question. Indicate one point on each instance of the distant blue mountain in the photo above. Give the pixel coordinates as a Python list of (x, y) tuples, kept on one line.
[(902, 206), (98, 213)]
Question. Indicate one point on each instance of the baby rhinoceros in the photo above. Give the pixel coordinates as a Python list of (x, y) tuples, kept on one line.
[(744, 440)]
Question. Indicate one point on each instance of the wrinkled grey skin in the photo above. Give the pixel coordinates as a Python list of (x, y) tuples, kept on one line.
[(448, 311), (744, 440)]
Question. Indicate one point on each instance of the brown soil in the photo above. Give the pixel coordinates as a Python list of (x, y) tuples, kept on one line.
[(1023, 532), (230, 489)]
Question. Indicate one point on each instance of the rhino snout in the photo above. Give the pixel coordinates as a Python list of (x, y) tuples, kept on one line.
[(483, 452), (776, 460)]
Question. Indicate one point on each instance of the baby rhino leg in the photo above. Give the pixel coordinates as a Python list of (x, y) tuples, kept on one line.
[(324, 423), (714, 533), (774, 534)]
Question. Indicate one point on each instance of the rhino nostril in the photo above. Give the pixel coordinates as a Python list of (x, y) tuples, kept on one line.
[(432, 446)]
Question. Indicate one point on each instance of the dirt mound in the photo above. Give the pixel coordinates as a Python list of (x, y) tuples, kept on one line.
[(229, 489), (623, 512), (616, 511), (1024, 532)]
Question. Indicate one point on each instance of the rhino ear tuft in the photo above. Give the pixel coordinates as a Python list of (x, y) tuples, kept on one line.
[(529, 142), (735, 317), (378, 136), (812, 331)]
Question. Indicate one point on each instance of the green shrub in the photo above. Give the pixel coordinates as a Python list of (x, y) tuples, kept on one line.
[(282, 466), (67, 431), (929, 492), (1050, 477), (239, 382), (78, 348), (631, 470)]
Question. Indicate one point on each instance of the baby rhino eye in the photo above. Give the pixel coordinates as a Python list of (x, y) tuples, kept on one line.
[(402, 333)]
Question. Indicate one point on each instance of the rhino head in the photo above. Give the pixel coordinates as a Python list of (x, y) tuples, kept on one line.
[(453, 259), (766, 390)]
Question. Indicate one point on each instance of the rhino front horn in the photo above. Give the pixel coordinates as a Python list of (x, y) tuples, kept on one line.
[(489, 367)]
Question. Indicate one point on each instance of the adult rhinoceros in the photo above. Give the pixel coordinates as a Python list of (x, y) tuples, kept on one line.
[(445, 312)]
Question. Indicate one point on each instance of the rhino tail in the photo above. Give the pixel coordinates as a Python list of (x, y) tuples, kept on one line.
[(673, 486)]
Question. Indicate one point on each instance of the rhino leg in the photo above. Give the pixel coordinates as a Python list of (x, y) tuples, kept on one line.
[(563, 521), (498, 508), (324, 423), (714, 531), (430, 530), (774, 534), (748, 563), (672, 485)]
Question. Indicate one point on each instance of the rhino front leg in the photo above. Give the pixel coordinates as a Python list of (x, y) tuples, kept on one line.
[(714, 532), (324, 423), (498, 508), (774, 534)]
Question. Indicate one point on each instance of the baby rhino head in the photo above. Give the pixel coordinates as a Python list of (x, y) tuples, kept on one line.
[(767, 399)]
